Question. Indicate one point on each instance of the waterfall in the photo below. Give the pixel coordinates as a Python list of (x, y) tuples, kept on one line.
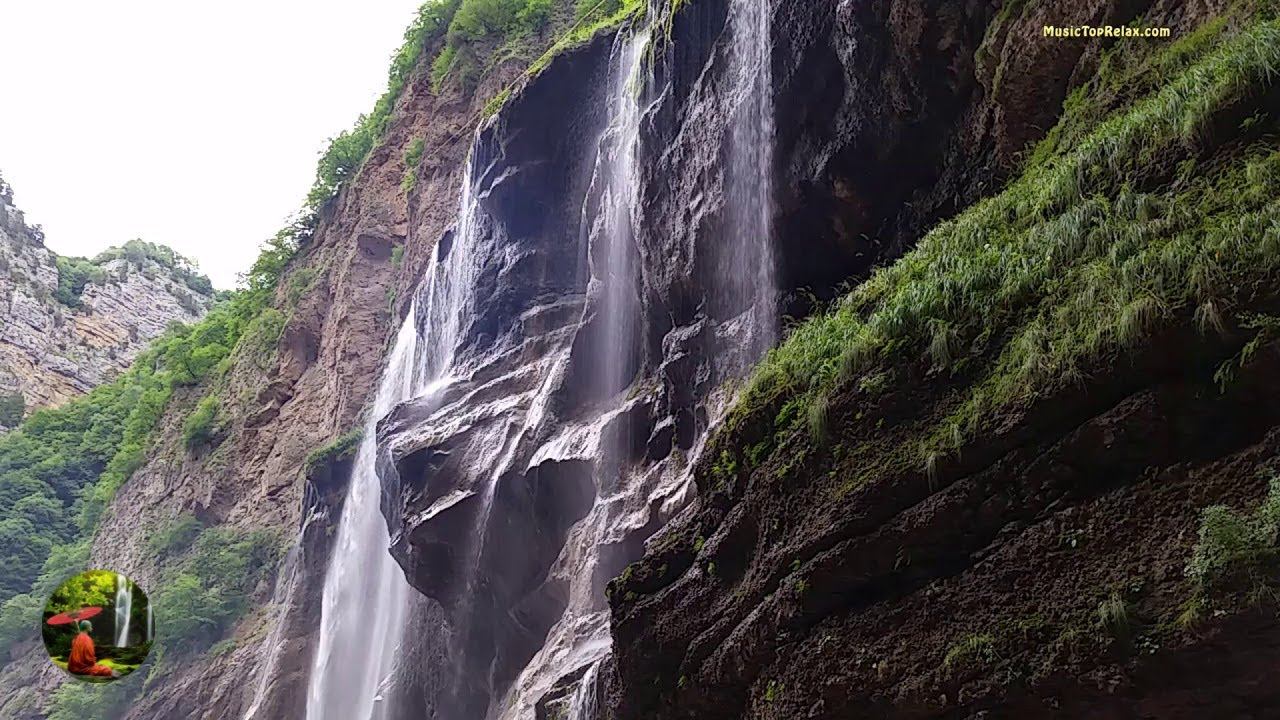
[(478, 365), (581, 637), (151, 623), (585, 704), (124, 609), (748, 276), (364, 590)]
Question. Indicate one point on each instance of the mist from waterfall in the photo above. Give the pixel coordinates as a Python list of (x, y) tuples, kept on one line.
[(124, 610), (365, 592)]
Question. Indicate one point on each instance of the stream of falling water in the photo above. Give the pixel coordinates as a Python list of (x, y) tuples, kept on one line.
[(365, 592), (364, 589), (750, 203), (581, 638), (747, 277), (124, 609)]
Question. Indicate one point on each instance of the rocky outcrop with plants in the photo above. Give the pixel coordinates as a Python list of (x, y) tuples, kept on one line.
[(70, 324), (1020, 457), (1028, 469)]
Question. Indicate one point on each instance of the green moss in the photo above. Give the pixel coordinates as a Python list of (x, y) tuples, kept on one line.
[(340, 449)]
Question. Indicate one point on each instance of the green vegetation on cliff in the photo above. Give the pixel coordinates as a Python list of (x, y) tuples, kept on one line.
[(76, 273), (209, 589), (60, 469), (1121, 224)]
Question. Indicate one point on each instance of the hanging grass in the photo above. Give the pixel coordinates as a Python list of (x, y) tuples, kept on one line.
[(1103, 239)]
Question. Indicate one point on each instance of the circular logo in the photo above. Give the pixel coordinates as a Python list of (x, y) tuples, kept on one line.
[(98, 626)]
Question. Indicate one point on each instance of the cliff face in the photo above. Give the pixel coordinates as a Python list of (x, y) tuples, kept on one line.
[(340, 297), (974, 487), (978, 489), (58, 343)]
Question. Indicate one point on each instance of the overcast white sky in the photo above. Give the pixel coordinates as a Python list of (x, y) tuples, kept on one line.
[(193, 124)]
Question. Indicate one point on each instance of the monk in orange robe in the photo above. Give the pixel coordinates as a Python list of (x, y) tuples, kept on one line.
[(83, 660)]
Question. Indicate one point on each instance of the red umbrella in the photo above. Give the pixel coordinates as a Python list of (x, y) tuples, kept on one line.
[(67, 618)]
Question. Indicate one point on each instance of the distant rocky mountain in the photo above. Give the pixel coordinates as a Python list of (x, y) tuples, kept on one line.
[(69, 324)]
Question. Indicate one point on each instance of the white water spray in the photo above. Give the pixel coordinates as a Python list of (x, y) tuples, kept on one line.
[(124, 609)]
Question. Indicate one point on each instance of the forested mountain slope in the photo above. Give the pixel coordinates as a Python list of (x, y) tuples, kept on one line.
[(69, 324)]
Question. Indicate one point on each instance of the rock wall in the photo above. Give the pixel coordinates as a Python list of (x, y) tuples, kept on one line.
[(343, 292), (833, 573), (49, 352)]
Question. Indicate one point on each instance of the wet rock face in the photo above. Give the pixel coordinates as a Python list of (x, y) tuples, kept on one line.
[(51, 353), (790, 595), (503, 474), (872, 100), (477, 516)]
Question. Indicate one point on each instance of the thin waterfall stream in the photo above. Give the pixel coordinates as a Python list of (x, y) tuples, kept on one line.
[(124, 610), (364, 591)]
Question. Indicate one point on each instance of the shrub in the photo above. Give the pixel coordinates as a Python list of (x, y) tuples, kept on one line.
[(346, 152), (12, 408), (202, 425), (412, 157), (1232, 545), (340, 449), (175, 536), (534, 15), (91, 701), (74, 274), (197, 603)]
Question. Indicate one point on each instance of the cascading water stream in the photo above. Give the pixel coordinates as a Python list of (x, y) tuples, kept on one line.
[(449, 360), (124, 610), (748, 276), (745, 284), (365, 592), (585, 704), (581, 639)]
